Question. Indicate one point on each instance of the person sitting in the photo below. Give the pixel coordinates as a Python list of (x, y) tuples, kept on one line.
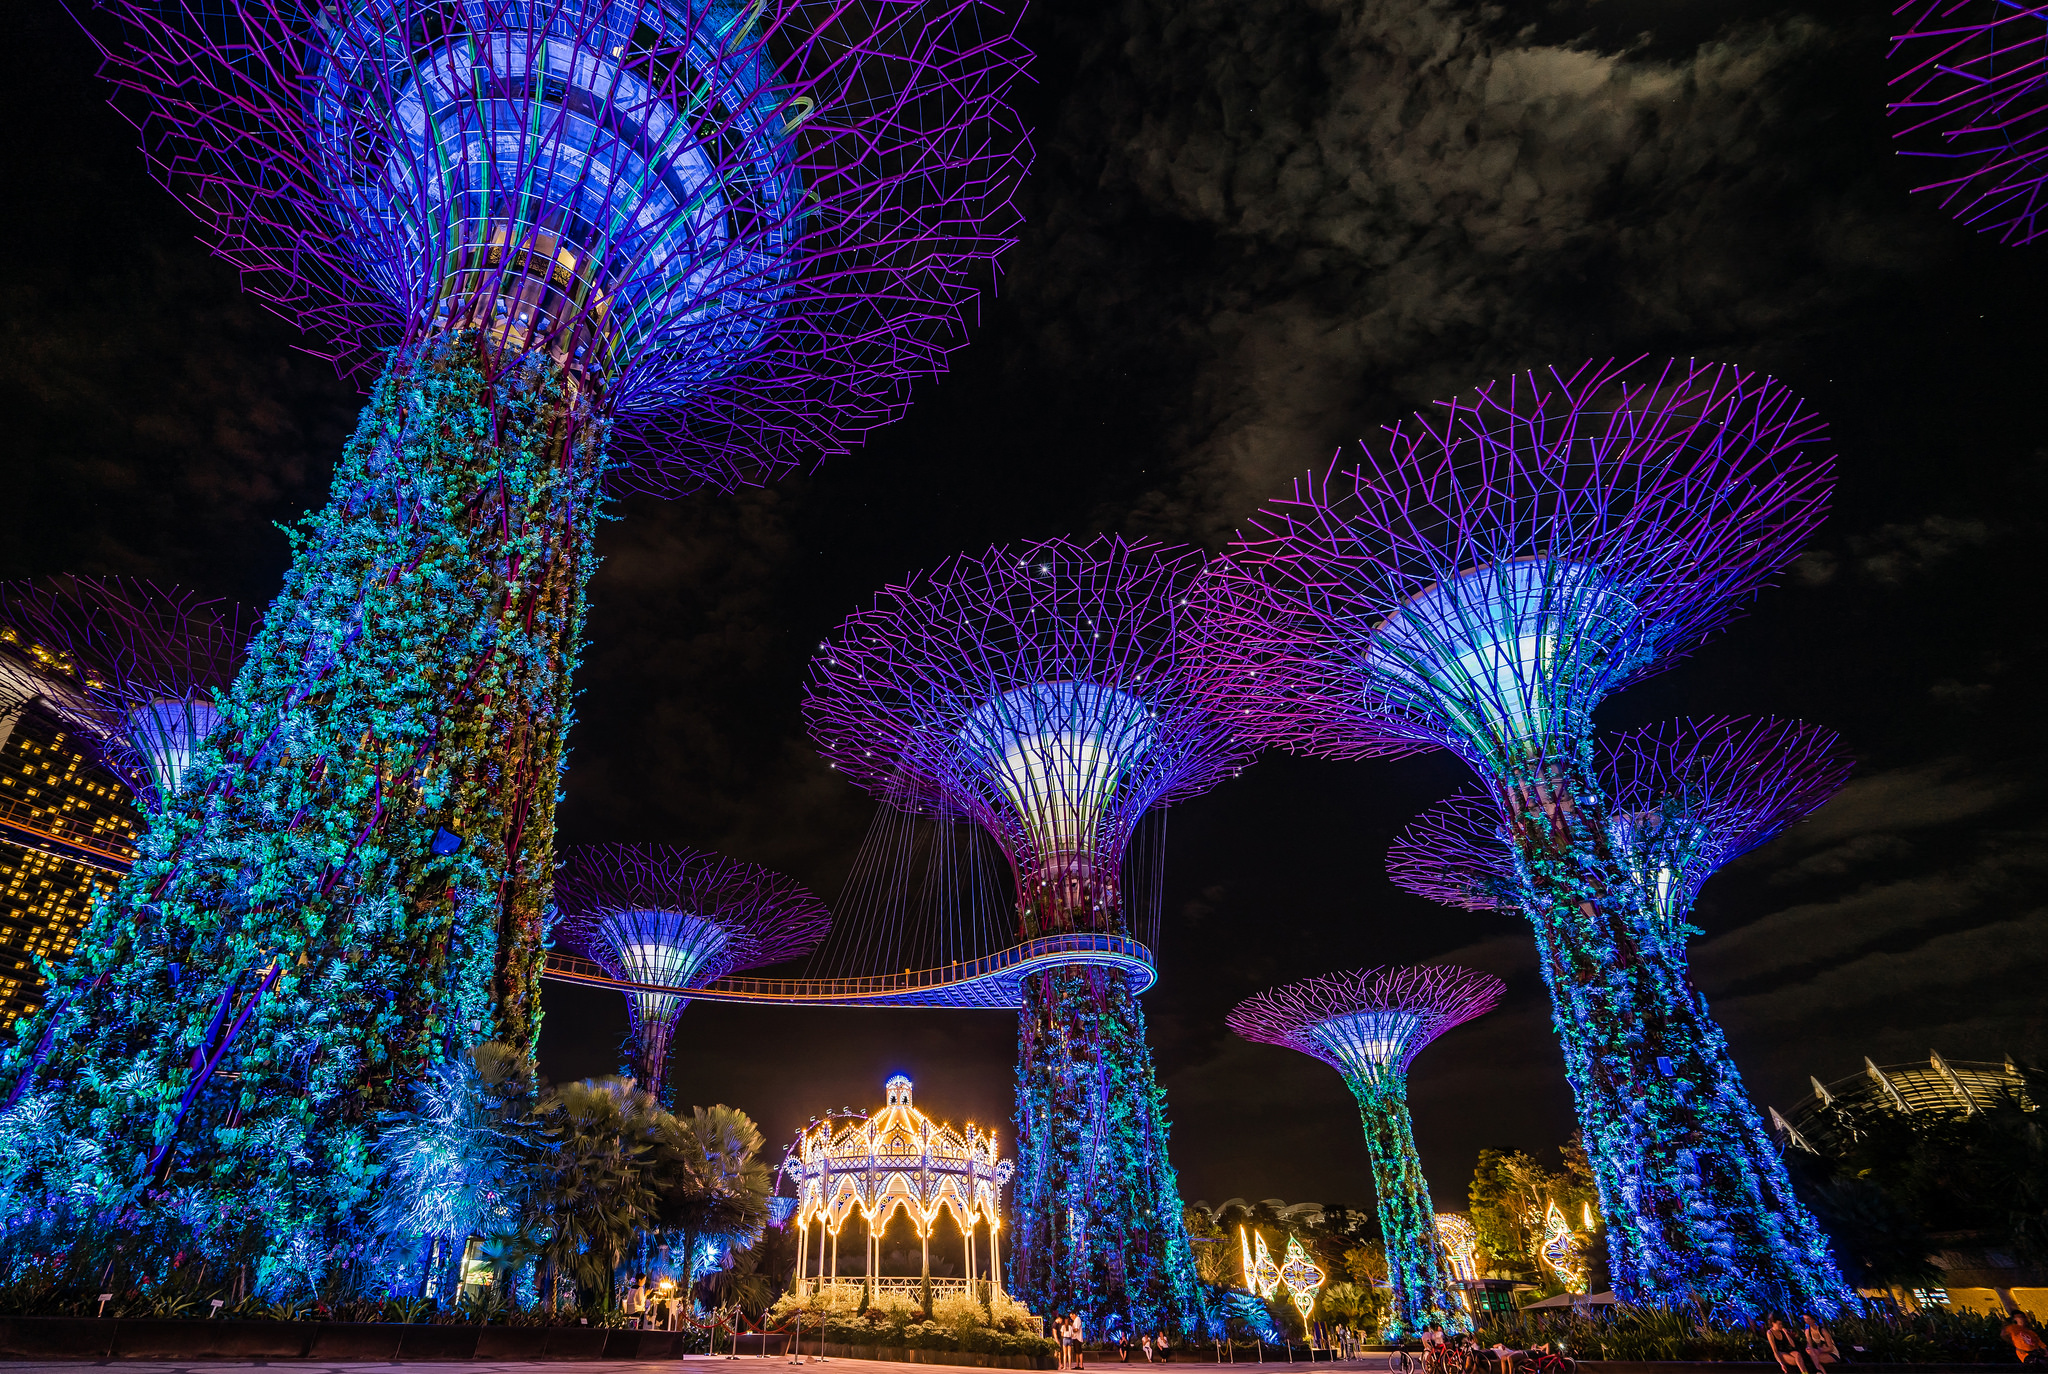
[(2028, 1345), (1785, 1347), (1821, 1350)]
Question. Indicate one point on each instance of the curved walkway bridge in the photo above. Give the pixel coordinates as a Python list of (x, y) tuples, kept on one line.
[(995, 983)]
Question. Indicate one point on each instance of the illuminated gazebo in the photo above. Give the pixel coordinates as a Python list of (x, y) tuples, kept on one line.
[(898, 1158)]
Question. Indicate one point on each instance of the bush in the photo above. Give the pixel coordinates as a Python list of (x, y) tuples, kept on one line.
[(956, 1323), (1640, 1333)]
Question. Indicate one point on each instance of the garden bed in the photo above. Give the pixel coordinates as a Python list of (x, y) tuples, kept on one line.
[(126, 1338)]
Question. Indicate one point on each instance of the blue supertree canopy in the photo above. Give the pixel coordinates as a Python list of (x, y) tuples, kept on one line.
[(745, 227), (1483, 579), (1366, 1023)]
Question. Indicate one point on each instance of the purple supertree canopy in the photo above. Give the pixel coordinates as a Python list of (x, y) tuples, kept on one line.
[(1457, 853), (1484, 577), (751, 226), (147, 660), (1043, 691), (1970, 94), (1687, 797), (1366, 1021)]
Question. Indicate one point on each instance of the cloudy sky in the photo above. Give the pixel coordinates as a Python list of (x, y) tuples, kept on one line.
[(1256, 231)]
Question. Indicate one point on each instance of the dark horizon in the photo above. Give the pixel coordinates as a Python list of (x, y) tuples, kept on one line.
[(1253, 234)]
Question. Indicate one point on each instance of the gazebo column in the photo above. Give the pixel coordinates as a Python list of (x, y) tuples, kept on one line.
[(924, 1238)]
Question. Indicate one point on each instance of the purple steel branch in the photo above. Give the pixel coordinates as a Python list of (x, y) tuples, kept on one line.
[(1043, 691), (751, 227), (1970, 95), (764, 916), (1631, 507), (1438, 996), (1457, 853)]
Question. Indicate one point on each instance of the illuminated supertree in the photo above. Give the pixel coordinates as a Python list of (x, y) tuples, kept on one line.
[(678, 918), (1482, 583), (734, 233), (148, 661), (1045, 693), (1368, 1025), (1688, 798), (1968, 95)]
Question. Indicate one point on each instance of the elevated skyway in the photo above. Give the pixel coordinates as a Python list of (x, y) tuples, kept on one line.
[(994, 983)]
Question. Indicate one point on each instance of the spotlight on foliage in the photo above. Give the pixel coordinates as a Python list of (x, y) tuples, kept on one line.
[(1968, 104), (1481, 580), (666, 917), (1045, 692), (1369, 1024), (591, 245), (148, 661)]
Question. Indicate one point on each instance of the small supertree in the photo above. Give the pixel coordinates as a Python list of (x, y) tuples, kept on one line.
[(591, 245), (678, 918), (1368, 1025), (148, 661), (1482, 582), (1970, 94), (1689, 797), (1045, 692)]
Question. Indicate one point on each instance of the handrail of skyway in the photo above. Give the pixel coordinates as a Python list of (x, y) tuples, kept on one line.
[(993, 983)]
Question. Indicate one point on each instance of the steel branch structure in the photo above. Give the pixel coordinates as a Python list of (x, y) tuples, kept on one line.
[(1046, 692), (667, 918), (591, 244), (148, 661), (1369, 1024), (1481, 581), (1967, 96)]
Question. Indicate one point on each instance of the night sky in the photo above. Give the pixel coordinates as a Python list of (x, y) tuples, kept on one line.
[(1256, 230)]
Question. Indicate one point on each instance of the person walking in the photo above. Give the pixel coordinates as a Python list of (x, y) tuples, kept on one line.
[(1065, 1329), (1785, 1347), (1821, 1349), (2028, 1345)]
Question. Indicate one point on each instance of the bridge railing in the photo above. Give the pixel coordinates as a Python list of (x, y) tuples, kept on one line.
[(574, 968)]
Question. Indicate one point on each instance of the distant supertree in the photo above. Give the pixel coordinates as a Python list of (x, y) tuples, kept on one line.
[(148, 661), (736, 233), (1482, 583), (1369, 1024), (678, 918), (1688, 797), (1045, 693), (1970, 93)]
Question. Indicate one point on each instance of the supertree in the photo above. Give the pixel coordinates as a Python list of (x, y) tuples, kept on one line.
[(735, 233), (148, 661), (665, 917), (1482, 582), (1045, 693), (1368, 1025), (1967, 94), (1688, 797)]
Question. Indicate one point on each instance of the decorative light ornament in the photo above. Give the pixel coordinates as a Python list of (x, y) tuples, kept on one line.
[(1560, 1250), (1460, 1240), (1261, 1275), (1302, 1277)]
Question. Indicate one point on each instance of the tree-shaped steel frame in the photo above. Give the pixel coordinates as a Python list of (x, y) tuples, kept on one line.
[(1968, 96), (1482, 580), (1369, 1024), (750, 227), (147, 660), (658, 914), (1047, 693)]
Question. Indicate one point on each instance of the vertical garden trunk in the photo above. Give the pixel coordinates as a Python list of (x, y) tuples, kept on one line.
[(1697, 1201), (359, 865), (1417, 1274), (1099, 1227)]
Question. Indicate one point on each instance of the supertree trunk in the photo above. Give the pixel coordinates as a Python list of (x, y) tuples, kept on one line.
[(1698, 1203), (1417, 1274), (1099, 1226), (354, 881)]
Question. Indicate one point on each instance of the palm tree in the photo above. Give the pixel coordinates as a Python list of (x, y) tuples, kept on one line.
[(593, 1197), (709, 1186)]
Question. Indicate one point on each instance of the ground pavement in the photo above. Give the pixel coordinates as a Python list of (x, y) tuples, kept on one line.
[(747, 1365)]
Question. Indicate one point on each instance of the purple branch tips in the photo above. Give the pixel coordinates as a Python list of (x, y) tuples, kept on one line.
[(748, 227), (1969, 90), (1492, 570), (1364, 1021), (1044, 691), (147, 661)]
